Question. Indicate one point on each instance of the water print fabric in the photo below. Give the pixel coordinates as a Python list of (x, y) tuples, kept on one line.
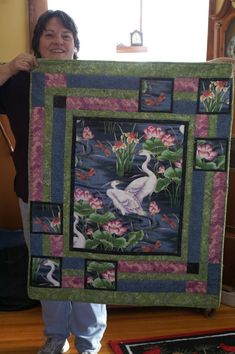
[(128, 181)]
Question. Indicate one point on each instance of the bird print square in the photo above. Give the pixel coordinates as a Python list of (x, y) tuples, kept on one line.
[(128, 175)]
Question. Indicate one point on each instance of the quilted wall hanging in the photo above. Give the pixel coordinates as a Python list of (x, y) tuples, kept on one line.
[(128, 181)]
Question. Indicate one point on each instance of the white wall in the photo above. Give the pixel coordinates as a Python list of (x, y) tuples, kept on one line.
[(173, 30)]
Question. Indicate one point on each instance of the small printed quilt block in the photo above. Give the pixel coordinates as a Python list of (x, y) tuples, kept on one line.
[(46, 218), (214, 95), (211, 154), (156, 95), (46, 272), (101, 275)]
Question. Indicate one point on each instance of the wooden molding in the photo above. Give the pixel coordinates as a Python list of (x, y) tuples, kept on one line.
[(218, 24), (223, 10), (35, 9)]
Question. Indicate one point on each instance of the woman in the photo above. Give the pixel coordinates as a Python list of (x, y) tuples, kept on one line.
[(55, 37)]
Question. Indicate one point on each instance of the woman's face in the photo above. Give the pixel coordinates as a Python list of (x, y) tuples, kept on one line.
[(56, 41)]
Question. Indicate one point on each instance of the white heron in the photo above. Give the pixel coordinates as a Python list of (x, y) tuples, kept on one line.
[(49, 276), (79, 240), (123, 200), (143, 186)]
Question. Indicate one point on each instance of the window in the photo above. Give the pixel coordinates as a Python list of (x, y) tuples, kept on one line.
[(174, 31)]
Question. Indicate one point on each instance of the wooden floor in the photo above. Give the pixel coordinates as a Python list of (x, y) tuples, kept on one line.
[(22, 331)]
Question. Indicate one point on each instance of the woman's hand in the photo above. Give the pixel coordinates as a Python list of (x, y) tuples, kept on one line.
[(23, 62), (224, 60)]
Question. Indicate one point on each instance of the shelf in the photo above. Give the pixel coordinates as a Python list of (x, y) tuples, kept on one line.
[(131, 49)]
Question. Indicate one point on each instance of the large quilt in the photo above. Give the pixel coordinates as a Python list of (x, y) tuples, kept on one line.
[(128, 178)]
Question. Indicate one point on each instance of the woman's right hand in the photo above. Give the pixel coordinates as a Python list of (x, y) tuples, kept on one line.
[(224, 60), (23, 62)]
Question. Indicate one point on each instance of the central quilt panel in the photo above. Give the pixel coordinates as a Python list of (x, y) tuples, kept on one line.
[(128, 181)]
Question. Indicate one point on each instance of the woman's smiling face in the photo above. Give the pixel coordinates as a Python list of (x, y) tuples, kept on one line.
[(56, 41)]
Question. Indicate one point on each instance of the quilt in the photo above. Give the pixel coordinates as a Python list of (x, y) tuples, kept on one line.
[(218, 341), (128, 178)]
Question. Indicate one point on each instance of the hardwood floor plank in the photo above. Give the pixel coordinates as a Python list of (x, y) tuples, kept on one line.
[(22, 331)]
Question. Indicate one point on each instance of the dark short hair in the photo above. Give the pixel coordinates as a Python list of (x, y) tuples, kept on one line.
[(67, 21)]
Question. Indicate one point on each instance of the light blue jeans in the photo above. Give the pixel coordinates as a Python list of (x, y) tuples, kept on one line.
[(87, 322)]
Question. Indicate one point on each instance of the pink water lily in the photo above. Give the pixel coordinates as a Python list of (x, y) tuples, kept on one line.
[(178, 164), (80, 194), (152, 132), (115, 227), (161, 169), (96, 203), (205, 151), (89, 280), (153, 208), (87, 133), (168, 140), (89, 231), (109, 275)]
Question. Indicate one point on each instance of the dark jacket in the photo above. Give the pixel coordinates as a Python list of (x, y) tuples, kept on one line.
[(14, 101)]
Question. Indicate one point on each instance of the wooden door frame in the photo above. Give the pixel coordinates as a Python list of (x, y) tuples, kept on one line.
[(35, 9)]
